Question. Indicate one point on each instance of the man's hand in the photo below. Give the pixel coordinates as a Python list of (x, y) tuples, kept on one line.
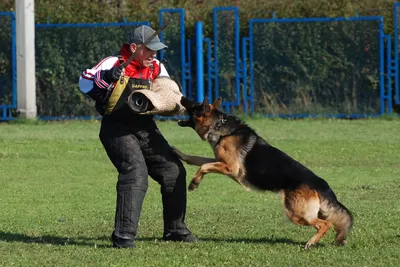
[(113, 74)]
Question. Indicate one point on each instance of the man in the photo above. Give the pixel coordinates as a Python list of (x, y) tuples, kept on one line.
[(135, 145)]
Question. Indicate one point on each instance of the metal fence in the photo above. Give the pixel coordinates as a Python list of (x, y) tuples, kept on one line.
[(318, 66), (175, 58), (8, 90), (331, 67), (63, 51), (394, 65), (227, 56), (300, 67)]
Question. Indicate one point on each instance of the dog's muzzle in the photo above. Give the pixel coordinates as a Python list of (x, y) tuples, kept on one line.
[(186, 123)]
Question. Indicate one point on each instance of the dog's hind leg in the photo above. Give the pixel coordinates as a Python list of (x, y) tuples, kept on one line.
[(322, 227), (340, 217), (302, 207)]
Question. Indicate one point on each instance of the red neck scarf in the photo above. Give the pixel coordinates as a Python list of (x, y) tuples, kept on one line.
[(134, 69), (134, 66)]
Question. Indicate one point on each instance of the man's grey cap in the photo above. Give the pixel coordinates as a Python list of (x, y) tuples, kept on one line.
[(142, 33)]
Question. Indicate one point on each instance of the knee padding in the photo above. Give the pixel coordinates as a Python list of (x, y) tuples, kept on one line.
[(174, 178), (136, 179)]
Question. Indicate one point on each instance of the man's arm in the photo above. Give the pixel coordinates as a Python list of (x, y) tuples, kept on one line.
[(93, 81), (163, 71)]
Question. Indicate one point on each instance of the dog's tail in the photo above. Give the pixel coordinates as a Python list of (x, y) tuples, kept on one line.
[(335, 212)]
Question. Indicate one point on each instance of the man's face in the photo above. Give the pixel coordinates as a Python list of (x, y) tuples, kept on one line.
[(145, 56)]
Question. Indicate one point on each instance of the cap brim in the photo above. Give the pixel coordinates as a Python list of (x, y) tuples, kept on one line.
[(155, 46)]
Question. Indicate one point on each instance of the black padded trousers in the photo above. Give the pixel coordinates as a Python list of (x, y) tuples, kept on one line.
[(137, 154)]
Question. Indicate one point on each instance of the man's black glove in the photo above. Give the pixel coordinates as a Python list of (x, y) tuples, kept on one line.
[(113, 74)]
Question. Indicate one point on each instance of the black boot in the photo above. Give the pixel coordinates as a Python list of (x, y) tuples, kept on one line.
[(119, 242), (190, 238)]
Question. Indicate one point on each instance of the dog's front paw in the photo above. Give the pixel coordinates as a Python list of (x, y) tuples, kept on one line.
[(309, 245), (193, 185), (341, 242)]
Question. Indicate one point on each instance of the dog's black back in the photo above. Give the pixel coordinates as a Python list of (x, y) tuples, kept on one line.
[(267, 167)]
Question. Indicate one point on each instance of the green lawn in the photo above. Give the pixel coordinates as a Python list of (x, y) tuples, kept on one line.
[(57, 193)]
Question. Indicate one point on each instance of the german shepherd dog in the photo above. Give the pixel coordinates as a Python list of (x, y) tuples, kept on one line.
[(248, 159)]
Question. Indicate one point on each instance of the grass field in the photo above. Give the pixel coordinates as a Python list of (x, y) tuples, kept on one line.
[(57, 199)]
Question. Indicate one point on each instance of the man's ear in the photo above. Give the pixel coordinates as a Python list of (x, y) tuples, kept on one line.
[(133, 47), (217, 103)]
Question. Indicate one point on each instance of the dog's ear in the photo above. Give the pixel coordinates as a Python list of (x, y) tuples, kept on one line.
[(205, 101), (186, 102), (206, 106), (217, 103)]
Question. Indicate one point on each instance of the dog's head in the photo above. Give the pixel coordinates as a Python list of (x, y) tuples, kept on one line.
[(202, 116)]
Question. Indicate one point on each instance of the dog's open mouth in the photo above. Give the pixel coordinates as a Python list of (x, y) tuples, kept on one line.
[(185, 123)]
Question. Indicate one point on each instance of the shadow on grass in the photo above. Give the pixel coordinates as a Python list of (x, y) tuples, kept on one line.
[(90, 242), (264, 240), (63, 241), (54, 240)]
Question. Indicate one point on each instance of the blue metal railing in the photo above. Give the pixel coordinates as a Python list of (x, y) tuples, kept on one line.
[(248, 101), (90, 25), (396, 22), (6, 108), (210, 70), (199, 62), (390, 71)]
